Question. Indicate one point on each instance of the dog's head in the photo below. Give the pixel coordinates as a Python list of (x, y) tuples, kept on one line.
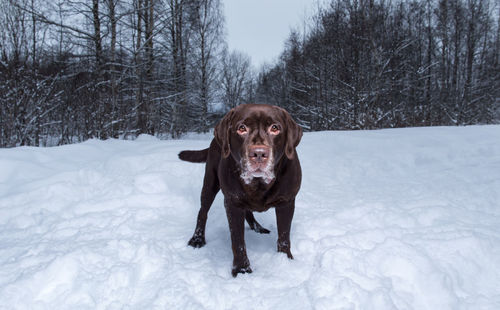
[(257, 136)]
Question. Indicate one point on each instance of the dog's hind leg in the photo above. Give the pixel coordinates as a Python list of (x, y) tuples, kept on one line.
[(254, 225)]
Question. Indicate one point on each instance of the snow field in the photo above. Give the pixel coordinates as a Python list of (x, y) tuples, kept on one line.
[(387, 219)]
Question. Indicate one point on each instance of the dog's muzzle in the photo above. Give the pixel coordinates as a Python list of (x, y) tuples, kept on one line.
[(259, 164)]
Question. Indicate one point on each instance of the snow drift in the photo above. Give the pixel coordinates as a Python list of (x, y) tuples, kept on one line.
[(387, 219)]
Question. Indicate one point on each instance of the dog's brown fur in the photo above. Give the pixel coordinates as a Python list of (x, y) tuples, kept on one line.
[(252, 159)]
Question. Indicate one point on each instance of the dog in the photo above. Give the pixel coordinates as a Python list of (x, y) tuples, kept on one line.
[(252, 159)]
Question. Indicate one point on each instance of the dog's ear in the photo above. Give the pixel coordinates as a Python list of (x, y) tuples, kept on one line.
[(293, 134), (221, 133)]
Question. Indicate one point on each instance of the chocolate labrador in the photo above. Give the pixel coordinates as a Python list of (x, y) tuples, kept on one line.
[(252, 158)]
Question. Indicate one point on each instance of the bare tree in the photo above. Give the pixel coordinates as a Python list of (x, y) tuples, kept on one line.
[(372, 64), (235, 78), (207, 40), (74, 70)]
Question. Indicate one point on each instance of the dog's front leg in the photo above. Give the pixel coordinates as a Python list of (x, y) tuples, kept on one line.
[(236, 219), (284, 216)]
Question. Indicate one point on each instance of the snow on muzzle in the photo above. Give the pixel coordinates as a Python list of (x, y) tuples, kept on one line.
[(258, 163)]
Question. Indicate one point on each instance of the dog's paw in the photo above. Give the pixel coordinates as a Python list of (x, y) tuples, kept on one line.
[(259, 229), (237, 270), (287, 252), (284, 247), (197, 242)]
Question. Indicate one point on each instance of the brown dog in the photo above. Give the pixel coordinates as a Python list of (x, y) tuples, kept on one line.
[(253, 160)]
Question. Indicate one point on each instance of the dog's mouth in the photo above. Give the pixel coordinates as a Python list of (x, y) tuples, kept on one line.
[(257, 167), (258, 163)]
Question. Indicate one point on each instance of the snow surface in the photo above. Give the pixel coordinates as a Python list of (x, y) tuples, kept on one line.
[(387, 219)]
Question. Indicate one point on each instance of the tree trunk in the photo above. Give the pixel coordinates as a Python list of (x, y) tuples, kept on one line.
[(97, 36)]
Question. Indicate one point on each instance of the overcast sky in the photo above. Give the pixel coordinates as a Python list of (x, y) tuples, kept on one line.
[(260, 27)]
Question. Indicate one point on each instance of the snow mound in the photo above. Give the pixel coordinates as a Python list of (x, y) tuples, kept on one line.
[(387, 219)]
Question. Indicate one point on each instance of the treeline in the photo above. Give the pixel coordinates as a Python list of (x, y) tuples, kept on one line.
[(74, 70), (376, 64)]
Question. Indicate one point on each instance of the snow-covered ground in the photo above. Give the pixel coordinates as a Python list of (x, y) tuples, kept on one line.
[(387, 219)]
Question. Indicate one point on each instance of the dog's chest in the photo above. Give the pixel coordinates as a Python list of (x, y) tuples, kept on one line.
[(257, 196)]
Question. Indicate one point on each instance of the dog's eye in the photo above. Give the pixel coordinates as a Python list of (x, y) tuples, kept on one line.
[(274, 129), (242, 129)]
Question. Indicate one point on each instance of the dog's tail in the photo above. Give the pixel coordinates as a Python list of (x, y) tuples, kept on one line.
[(194, 156)]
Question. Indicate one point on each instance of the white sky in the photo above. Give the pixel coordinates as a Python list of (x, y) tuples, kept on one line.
[(259, 28)]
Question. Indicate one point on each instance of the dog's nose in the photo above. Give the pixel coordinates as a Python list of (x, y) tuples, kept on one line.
[(258, 153)]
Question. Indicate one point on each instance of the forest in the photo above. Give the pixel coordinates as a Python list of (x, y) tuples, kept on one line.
[(76, 70)]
